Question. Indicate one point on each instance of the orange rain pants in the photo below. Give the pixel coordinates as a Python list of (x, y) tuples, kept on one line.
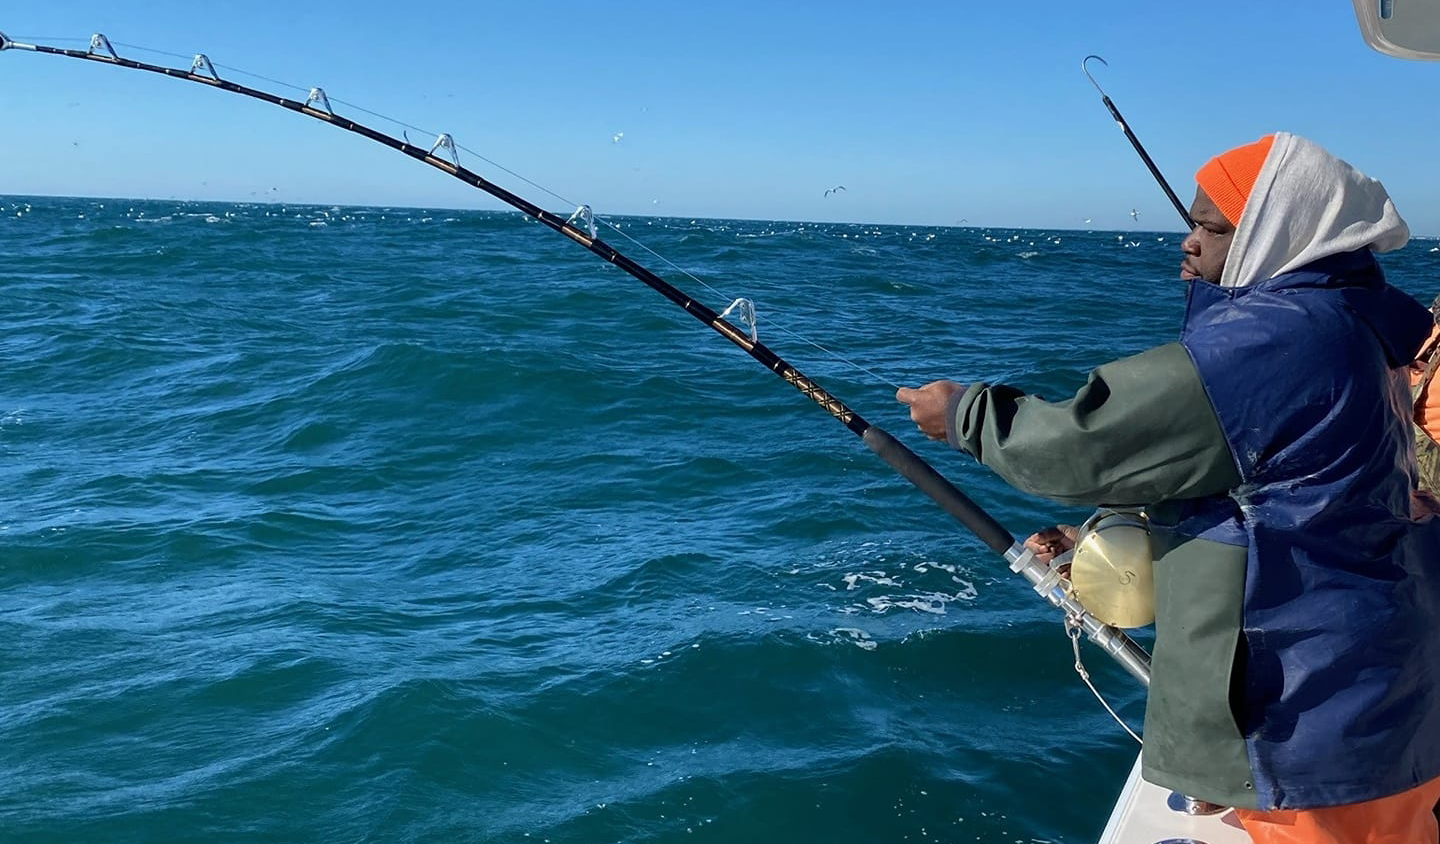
[(1404, 818)]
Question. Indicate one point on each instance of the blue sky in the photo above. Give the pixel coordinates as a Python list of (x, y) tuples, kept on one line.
[(927, 112)]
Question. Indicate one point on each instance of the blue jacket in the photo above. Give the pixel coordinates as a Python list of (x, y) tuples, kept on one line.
[(1336, 688)]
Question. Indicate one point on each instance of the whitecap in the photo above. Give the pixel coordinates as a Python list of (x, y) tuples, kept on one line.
[(878, 578), (855, 636)]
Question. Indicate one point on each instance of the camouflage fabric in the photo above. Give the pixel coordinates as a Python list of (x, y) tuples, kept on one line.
[(1427, 451), (1427, 459)]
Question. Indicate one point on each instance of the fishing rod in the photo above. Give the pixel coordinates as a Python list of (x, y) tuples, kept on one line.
[(580, 227), (1135, 142)]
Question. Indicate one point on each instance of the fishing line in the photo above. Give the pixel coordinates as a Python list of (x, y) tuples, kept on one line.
[(580, 227), (619, 230), (612, 226)]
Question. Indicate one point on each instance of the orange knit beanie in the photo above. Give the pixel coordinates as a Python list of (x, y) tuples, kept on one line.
[(1228, 177)]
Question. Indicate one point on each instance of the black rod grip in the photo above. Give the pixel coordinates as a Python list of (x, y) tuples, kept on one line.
[(944, 493)]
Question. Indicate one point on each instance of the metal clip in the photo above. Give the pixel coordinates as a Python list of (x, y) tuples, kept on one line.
[(745, 310), (584, 217), (1049, 581), (447, 143), (1186, 805), (100, 42), (317, 95), (202, 63)]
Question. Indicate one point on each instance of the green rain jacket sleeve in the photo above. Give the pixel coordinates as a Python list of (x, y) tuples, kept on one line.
[(1139, 432)]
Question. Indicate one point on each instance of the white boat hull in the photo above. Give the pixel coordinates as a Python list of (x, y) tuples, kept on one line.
[(1149, 814)]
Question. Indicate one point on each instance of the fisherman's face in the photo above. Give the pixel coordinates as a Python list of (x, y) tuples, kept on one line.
[(1208, 244)]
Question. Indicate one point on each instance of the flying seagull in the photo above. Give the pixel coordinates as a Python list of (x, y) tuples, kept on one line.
[(835, 189), (1134, 215)]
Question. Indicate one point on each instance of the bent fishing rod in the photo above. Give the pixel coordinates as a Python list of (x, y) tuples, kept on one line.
[(580, 228), (1135, 142)]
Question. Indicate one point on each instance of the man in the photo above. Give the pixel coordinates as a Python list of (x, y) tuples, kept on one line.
[(1296, 673)]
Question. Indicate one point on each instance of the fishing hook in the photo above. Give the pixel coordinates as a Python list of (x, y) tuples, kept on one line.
[(1135, 142), (1086, 71)]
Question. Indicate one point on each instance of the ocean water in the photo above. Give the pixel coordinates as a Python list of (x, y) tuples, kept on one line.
[(334, 524)]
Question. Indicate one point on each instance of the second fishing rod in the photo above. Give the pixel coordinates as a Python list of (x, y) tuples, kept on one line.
[(1135, 142)]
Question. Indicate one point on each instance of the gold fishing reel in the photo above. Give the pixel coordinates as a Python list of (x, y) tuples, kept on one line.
[(1112, 568)]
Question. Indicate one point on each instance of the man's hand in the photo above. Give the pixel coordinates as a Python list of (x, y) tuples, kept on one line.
[(1052, 541), (927, 405)]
